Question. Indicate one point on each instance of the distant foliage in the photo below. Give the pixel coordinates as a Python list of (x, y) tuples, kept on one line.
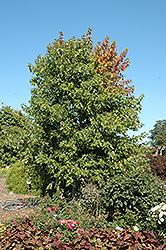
[(158, 133), (15, 135)]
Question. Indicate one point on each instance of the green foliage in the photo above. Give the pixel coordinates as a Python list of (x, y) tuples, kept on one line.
[(127, 199), (158, 133), (17, 180), (115, 239), (14, 135), (26, 236), (81, 114)]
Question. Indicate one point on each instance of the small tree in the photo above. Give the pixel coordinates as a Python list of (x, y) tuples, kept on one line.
[(82, 108)]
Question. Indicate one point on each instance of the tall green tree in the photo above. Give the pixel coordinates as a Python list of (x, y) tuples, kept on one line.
[(158, 133), (82, 108)]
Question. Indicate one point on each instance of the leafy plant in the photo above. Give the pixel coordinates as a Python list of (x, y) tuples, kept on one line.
[(127, 199), (115, 239), (26, 236)]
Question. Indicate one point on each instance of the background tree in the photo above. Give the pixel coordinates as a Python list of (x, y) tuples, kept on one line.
[(82, 108), (158, 133), (14, 135)]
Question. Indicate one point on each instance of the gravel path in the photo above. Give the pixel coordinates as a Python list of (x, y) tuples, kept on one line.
[(4, 196)]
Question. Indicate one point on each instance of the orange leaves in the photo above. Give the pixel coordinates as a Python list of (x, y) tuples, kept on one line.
[(111, 66)]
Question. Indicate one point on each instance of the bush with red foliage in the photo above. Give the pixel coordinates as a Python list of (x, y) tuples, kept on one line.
[(158, 166)]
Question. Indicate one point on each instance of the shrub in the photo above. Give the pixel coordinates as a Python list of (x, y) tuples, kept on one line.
[(158, 166), (26, 236), (115, 239), (127, 199), (17, 181)]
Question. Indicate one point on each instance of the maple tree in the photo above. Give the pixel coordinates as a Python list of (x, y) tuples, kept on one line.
[(82, 109)]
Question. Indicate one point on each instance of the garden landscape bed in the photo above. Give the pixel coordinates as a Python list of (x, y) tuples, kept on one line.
[(58, 224)]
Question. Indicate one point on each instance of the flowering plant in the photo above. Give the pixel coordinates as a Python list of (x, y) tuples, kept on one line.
[(160, 211)]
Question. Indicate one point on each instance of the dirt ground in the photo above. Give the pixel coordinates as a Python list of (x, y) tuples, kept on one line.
[(4, 196)]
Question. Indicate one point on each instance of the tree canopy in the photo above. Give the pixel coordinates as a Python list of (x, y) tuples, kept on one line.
[(82, 108)]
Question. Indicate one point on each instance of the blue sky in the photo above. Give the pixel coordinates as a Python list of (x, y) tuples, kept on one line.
[(27, 26)]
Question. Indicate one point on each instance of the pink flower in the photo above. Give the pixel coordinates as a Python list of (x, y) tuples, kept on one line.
[(15, 222), (77, 223), (72, 224), (26, 216), (37, 214), (79, 230), (58, 234), (51, 230), (22, 201), (68, 226), (68, 210), (50, 203), (84, 218), (49, 209), (56, 208), (64, 245), (57, 189), (62, 222)]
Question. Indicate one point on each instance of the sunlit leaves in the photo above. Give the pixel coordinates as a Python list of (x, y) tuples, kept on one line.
[(82, 108)]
